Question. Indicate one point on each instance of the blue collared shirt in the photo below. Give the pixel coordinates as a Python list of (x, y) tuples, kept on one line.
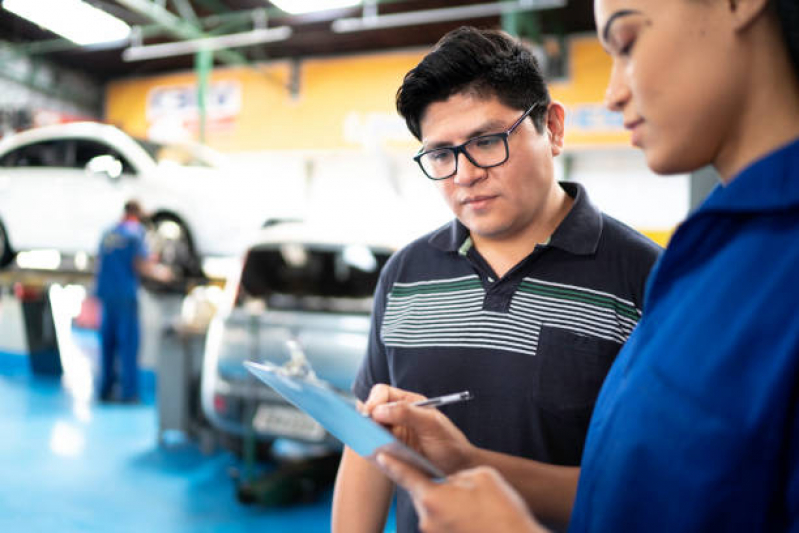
[(697, 425), (121, 247)]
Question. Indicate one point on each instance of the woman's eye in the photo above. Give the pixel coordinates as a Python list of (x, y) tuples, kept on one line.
[(626, 47)]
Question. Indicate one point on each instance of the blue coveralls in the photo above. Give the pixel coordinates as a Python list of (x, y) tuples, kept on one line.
[(697, 425), (116, 287)]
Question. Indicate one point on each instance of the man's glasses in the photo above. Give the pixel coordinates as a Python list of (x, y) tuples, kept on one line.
[(485, 151)]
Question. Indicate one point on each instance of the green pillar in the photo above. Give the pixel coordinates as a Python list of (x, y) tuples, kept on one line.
[(203, 63), (522, 24)]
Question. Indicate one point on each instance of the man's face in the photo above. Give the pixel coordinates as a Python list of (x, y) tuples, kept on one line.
[(502, 202)]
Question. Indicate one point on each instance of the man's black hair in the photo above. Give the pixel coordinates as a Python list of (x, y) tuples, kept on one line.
[(133, 209), (484, 63)]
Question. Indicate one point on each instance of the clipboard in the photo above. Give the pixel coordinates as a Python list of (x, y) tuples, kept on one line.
[(338, 416)]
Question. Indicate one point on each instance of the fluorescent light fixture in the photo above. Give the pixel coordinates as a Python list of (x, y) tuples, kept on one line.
[(296, 7), (75, 20), (181, 48), (430, 16)]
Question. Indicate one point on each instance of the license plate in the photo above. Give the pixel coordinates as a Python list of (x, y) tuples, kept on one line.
[(288, 422)]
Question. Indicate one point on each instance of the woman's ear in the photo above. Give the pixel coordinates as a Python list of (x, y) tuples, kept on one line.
[(744, 12)]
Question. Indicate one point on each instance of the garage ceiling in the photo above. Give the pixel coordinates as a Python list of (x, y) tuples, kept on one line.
[(165, 21)]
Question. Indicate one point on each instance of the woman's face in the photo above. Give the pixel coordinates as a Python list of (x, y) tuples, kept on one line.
[(673, 78)]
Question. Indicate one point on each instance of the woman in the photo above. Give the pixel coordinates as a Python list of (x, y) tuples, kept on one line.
[(697, 424)]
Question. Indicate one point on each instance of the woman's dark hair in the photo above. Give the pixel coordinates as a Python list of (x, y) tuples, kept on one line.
[(788, 14), (484, 63)]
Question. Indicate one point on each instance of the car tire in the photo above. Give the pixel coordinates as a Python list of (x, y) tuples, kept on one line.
[(6, 254), (170, 241)]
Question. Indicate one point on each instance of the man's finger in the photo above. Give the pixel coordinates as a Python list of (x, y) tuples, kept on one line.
[(404, 475), (403, 414), (382, 394)]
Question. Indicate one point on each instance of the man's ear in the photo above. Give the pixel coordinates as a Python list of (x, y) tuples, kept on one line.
[(555, 127), (744, 12)]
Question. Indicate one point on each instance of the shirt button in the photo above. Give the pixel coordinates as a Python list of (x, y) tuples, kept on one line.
[(491, 280)]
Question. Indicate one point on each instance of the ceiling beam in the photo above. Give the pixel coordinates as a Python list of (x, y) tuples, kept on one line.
[(430, 16), (215, 6), (186, 11), (222, 21), (177, 26)]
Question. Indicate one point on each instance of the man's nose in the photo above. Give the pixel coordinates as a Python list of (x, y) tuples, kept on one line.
[(468, 172)]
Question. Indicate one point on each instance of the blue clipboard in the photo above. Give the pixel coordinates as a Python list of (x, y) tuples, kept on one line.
[(338, 416)]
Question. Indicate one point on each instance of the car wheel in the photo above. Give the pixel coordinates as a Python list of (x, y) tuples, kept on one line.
[(170, 242), (6, 255)]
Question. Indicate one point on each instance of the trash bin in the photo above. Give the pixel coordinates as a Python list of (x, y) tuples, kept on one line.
[(40, 334)]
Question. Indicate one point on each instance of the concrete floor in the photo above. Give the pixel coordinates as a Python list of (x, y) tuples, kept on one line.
[(76, 467)]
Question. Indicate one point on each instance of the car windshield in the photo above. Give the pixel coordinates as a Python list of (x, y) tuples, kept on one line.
[(311, 278), (189, 155)]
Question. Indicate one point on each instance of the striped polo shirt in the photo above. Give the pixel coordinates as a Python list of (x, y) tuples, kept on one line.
[(533, 346)]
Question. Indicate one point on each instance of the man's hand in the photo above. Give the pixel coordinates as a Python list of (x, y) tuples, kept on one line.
[(471, 500), (424, 429), (155, 271)]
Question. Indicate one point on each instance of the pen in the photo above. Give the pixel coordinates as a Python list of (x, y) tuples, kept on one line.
[(444, 400)]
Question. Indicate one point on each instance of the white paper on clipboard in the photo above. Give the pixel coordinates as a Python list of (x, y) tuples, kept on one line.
[(339, 417)]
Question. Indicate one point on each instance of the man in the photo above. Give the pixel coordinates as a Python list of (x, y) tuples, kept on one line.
[(122, 259), (524, 299)]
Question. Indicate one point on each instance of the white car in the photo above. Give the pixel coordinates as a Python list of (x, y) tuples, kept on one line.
[(61, 186), (302, 285)]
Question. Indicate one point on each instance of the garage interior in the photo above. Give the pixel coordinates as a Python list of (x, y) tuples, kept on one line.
[(301, 108)]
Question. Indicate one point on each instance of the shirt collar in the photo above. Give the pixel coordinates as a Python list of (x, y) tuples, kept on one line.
[(768, 184), (578, 233)]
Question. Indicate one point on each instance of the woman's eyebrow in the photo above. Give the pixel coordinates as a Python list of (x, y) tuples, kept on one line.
[(612, 19)]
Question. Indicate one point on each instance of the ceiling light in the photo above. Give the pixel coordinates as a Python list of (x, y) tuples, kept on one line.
[(75, 20), (295, 7)]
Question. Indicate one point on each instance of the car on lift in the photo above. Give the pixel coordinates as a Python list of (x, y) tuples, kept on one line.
[(304, 287), (62, 185)]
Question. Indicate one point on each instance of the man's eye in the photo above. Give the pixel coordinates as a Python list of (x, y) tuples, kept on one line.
[(439, 155), (486, 142)]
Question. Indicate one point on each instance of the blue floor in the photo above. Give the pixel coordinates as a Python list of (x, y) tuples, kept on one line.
[(72, 465)]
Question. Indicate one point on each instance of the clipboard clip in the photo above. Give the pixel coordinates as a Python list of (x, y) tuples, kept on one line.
[(298, 365)]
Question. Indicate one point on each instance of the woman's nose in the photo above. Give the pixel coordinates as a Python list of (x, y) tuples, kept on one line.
[(618, 92)]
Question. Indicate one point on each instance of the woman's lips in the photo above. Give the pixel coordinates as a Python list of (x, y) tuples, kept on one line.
[(634, 127)]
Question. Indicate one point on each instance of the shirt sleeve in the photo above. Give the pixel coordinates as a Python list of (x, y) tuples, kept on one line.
[(374, 368)]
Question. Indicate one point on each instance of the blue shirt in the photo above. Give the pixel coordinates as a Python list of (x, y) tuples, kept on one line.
[(697, 425), (120, 248)]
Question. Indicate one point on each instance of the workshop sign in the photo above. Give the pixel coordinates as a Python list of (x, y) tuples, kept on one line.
[(172, 107)]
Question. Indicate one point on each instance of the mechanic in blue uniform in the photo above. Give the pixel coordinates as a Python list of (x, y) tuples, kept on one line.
[(697, 425), (122, 258)]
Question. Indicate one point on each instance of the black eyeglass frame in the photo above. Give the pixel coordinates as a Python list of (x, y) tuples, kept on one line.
[(461, 148)]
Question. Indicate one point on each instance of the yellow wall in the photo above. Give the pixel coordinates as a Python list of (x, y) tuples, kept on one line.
[(337, 94), (588, 122), (270, 117)]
